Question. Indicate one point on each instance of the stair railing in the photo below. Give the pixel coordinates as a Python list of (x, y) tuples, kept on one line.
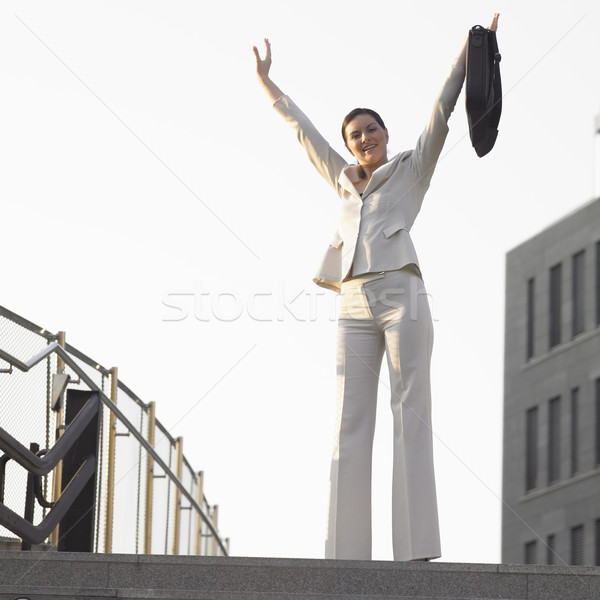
[(37, 464)]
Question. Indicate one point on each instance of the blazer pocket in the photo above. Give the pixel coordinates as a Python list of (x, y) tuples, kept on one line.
[(336, 241), (392, 229)]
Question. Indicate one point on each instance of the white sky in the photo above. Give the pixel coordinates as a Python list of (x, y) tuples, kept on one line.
[(141, 160)]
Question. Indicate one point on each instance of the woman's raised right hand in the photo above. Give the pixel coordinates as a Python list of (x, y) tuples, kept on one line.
[(263, 65), (262, 71)]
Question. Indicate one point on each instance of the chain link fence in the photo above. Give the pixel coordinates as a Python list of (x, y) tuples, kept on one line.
[(140, 506)]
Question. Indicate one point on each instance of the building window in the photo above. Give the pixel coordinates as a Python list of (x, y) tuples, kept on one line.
[(531, 449), (597, 542), (577, 545), (578, 317), (551, 549), (574, 430), (530, 553), (598, 421), (555, 305), (530, 317), (597, 283), (554, 440)]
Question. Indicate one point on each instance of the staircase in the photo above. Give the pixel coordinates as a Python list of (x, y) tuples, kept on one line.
[(54, 575)]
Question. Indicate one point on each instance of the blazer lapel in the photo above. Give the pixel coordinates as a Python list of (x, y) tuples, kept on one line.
[(347, 184), (379, 177)]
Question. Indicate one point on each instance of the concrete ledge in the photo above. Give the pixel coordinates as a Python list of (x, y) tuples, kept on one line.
[(53, 575)]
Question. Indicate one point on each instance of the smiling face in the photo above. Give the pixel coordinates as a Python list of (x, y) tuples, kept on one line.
[(367, 141)]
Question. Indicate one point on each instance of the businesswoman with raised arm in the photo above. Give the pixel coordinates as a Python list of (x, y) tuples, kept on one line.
[(372, 263)]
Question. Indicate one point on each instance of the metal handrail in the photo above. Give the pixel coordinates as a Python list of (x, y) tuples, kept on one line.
[(19, 320), (56, 348), (36, 534), (42, 465), (85, 359)]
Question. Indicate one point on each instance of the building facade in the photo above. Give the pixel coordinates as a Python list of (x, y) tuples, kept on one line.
[(551, 458)]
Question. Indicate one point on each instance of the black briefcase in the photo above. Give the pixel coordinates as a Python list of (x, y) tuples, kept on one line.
[(484, 88)]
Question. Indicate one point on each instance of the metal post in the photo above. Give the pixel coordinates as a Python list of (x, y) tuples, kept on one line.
[(200, 500), (110, 477), (215, 521), (59, 421), (177, 503), (30, 497), (149, 480)]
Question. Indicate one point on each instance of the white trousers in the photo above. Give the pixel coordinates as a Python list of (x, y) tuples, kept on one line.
[(380, 312)]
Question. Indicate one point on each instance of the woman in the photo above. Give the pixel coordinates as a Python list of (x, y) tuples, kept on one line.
[(372, 262)]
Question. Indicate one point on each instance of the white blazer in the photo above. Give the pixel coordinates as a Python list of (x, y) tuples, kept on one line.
[(380, 241)]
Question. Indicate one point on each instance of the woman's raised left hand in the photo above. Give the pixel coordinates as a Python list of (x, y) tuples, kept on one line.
[(494, 25)]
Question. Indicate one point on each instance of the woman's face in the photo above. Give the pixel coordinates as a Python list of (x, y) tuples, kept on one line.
[(367, 141)]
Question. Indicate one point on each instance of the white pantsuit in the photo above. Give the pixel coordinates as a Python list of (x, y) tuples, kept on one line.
[(383, 309), (383, 312)]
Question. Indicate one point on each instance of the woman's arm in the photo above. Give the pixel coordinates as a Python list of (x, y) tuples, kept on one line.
[(262, 72), (326, 160), (431, 141)]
